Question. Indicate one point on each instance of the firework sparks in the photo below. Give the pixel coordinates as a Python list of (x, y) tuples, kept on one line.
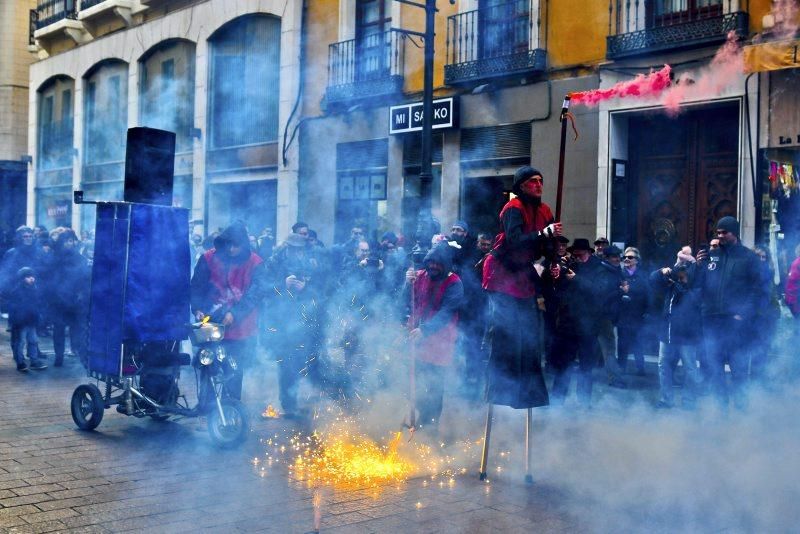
[(270, 413)]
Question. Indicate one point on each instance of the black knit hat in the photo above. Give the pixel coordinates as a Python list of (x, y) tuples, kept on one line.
[(25, 272), (523, 173), (729, 224)]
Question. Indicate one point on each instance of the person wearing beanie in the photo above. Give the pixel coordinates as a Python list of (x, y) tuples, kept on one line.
[(514, 374), (730, 293), (67, 289), (437, 293), (228, 284), (24, 309)]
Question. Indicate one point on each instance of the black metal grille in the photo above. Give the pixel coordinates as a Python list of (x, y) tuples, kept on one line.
[(33, 16), (646, 26), (50, 11), (86, 4), (496, 40), (366, 67), (510, 142)]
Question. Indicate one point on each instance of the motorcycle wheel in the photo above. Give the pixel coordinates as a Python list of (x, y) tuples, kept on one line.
[(87, 406), (236, 429)]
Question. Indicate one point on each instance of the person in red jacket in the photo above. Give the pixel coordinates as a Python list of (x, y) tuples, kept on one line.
[(435, 299), (514, 375), (228, 283)]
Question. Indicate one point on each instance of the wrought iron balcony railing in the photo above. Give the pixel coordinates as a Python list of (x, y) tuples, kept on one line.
[(86, 4), (51, 11), (368, 67), (646, 26), (495, 41)]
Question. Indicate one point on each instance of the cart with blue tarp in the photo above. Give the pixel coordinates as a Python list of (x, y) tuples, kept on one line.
[(139, 306)]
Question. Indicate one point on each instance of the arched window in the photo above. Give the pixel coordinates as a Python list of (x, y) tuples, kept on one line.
[(54, 152), (244, 82), (167, 90)]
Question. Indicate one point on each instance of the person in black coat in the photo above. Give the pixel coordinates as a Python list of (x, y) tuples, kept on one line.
[(680, 330), (24, 309), (634, 305), (732, 290), (577, 293), (68, 295)]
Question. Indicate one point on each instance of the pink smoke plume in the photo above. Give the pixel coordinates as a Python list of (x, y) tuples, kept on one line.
[(725, 68), (641, 86), (785, 16)]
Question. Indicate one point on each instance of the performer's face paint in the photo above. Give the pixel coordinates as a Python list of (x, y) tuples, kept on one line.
[(533, 186)]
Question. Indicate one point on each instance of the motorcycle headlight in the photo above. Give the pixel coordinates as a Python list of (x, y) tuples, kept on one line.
[(206, 357), (220, 354), (216, 335)]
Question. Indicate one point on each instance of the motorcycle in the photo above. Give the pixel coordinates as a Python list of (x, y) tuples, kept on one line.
[(148, 386)]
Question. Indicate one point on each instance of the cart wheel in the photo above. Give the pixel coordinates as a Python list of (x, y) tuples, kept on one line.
[(87, 406), (236, 429)]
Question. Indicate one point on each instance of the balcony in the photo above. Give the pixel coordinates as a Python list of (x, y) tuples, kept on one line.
[(56, 19), (637, 27), (367, 68), (498, 41), (97, 12)]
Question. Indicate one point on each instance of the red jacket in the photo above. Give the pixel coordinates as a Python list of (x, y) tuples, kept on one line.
[(507, 269), (436, 347), (229, 288)]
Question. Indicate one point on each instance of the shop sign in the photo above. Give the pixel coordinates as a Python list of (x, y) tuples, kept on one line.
[(408, 117), (772, 56)]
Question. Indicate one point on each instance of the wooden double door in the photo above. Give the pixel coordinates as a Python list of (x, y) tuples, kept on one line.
[(683, 178)]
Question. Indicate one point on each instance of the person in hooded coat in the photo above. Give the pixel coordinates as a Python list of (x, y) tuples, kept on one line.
[(25, 253), (228, 283), (435, 294), (514, 374), (67, 289)]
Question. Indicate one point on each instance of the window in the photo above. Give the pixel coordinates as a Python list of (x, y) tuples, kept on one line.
[(167, 90), (244, 80), (106, 108)]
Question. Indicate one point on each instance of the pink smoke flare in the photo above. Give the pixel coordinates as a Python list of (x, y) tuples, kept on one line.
[(641, 86)]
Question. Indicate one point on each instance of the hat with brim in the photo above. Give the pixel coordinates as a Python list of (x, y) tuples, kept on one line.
[(580, 244), (601, 241), (613, 250), (562, 239)]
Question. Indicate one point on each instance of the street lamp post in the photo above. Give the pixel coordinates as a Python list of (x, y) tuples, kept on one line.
[(425, 218)]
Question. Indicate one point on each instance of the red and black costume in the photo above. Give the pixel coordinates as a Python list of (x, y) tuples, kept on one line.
[(514, 375)]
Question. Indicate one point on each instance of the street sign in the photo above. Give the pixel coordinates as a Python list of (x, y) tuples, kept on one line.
[(408, 117)]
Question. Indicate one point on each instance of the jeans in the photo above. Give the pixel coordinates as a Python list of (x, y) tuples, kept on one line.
[(668, 356), (77, 335), (607, 339), (723, 342), (430, 392), (629, 340), (243, 350), (25, 335), (566, 347)]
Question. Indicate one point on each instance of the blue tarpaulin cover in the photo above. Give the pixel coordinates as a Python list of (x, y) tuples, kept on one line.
[(140, 279)]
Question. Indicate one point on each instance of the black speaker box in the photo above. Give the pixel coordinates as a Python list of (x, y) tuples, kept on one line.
[(149, 166)]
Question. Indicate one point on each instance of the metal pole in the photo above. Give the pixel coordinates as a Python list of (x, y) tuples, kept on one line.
[(528, 455), (426, 175), (486, 435), (561, 152)]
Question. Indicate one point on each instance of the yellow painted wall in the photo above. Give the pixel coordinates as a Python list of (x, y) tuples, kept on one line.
[(576, 33), (322, 18), (413, 18)]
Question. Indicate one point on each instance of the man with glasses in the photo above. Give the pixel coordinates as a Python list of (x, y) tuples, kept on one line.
[(729, 280), (514, 375)]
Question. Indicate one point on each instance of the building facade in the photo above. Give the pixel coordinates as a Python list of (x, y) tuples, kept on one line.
[(221, 74), (502, 69), (15, 59)]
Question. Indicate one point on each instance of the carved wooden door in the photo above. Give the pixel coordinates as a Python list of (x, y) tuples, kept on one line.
[(684, 172)]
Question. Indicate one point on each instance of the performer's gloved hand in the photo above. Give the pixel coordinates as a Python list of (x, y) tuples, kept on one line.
[(551, 230)]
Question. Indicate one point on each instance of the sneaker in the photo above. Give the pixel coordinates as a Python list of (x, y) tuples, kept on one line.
[(22, 367), (38, 366)]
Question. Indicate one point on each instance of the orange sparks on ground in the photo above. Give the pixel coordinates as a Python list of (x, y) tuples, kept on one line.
[(270, 413)]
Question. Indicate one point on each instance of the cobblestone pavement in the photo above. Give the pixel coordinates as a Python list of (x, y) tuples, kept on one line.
[(622, 467)]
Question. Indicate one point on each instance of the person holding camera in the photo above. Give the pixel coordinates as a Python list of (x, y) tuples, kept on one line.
[(731, 290), (680, 330), (632, 310)]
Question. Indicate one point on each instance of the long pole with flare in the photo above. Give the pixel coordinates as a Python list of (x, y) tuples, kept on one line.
[(561, 156)]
